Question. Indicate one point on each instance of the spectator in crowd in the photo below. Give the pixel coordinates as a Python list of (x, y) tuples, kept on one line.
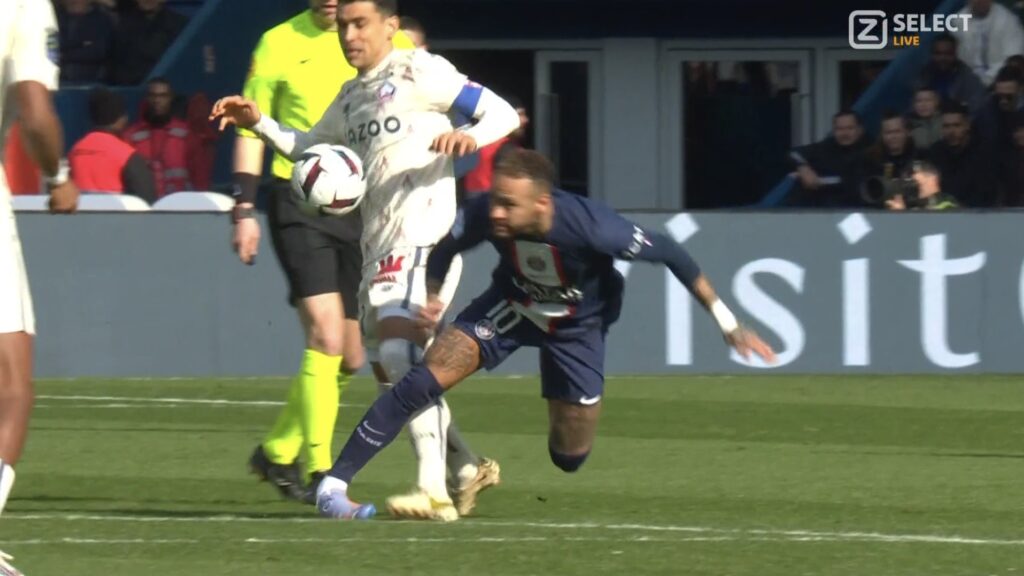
[(1015, 62), (949, 76), (164, 140), (966, 163), (86, 37), (993, 123), (925, 193), (415, 31), (101, 161), (1011, 165), (141, 38), (830, 172), (924, 120), (894, 154), (478, 180), (993, 35)]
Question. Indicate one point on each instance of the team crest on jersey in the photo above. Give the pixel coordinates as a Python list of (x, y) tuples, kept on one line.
[(536, 263), (53, 47), (386, 93), (484, 330)]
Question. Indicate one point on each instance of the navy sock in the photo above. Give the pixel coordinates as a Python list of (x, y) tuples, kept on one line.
[(384, 420)]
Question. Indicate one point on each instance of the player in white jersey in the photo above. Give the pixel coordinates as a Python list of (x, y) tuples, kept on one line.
[(394, 114), (28, 71)]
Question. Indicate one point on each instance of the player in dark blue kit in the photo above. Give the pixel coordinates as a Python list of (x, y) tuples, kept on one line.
[(555, 288)]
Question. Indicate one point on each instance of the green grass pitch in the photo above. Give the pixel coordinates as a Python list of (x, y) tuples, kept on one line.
[(858, 476)]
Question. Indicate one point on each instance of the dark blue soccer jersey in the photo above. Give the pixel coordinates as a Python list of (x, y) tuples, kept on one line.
[(565, 281)]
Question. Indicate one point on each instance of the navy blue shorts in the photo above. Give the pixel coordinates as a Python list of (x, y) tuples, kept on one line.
[(571, 368)]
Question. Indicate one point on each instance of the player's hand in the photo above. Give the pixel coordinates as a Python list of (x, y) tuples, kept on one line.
[(746, 341), (235, 110), (246, 240), (455, 143), (430, 314), (64, 198)]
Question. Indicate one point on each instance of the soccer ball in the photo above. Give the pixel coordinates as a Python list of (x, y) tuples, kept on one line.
[(328, 179)]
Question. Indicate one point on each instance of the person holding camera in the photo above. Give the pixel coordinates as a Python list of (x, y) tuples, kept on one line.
[(922, 190)]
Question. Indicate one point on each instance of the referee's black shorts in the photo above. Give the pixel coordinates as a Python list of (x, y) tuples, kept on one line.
[(319, 254)]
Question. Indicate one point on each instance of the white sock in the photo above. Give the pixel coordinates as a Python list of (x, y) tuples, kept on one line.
[(331, 484), (429, 432), (462, 462), (6, 483)]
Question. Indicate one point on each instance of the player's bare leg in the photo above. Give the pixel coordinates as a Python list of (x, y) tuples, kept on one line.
[(16, 394), (452, 357), (16, 398), (571, 434)]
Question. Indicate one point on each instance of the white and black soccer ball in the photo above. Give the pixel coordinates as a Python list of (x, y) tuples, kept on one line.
[(329, 179)]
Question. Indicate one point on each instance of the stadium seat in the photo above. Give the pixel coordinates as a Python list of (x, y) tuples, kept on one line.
[(111, 203), (194, 202), (30, 203), (86, 203)]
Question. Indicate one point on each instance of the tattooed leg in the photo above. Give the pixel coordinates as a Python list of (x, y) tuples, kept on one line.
[(451, 358)]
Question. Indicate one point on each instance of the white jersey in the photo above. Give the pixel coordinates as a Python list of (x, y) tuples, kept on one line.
[(390, 116), (28, 52)]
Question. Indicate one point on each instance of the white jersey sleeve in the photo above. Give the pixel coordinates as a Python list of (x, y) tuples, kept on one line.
[(438, 82), (443, 88), (34, 49)]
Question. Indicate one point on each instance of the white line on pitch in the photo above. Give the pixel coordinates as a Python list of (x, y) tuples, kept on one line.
[(212, 401), (737, 533)]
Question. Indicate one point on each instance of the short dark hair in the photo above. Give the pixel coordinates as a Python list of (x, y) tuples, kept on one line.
[(105, 107), (926, 167), (945, 37), (1008, 74), (847, 112), (385, 7), (890, 114), (954, 107), (159, 80), (523, 163)]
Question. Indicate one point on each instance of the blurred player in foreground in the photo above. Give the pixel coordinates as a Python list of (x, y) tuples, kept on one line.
[(394, 115), (28, 71), (555, 288)]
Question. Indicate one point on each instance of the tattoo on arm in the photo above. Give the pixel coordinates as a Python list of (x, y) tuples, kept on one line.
[(703, 291), (452, 357)]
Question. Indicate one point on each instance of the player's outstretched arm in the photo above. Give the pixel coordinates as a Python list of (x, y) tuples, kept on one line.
[(244, 113), (612, 234), (743, 339)]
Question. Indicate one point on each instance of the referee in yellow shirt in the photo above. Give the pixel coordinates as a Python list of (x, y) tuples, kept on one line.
[(297, 70)]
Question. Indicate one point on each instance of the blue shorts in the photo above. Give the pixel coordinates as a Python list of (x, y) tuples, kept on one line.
[(571, 368)]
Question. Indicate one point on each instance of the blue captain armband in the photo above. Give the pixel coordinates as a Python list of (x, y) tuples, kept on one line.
[(468, 99)]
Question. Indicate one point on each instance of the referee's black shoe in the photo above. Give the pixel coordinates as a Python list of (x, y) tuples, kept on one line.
[(285, 477), (309, 497)]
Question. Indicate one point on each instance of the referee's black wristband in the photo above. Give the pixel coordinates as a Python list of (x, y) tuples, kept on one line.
[(246, 188)]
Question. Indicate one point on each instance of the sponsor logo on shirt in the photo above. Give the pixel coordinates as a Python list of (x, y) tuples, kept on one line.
[(639, 241)]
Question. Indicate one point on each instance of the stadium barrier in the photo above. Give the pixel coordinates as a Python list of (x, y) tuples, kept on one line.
[(157, 294)]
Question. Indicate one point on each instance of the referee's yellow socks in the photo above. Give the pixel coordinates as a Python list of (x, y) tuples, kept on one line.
[(318, 412), (308, 419)]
